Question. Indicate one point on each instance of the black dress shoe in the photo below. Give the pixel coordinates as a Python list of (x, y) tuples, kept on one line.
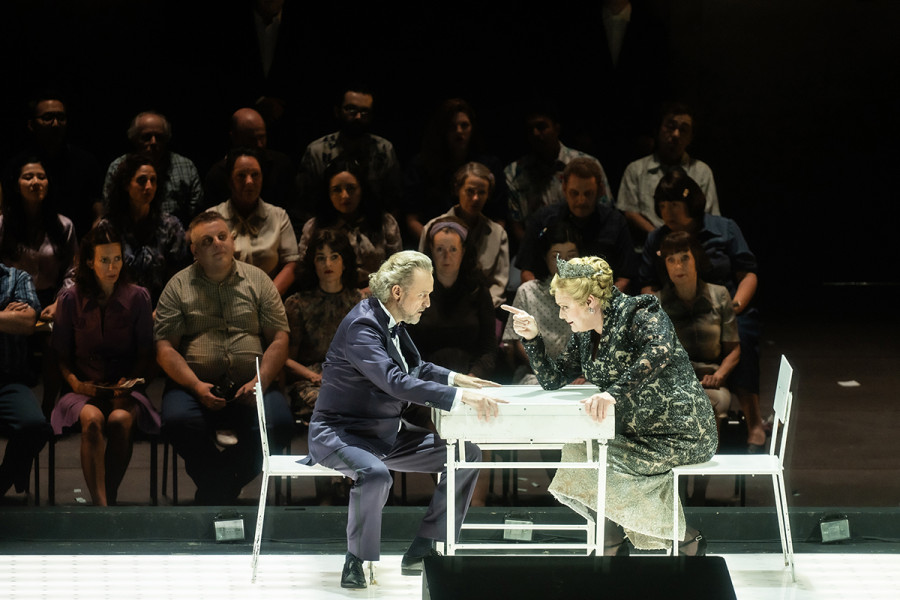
[(414, 565), (353, 577), (700, 548)]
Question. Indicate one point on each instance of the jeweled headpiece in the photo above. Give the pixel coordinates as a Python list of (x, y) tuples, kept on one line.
[(567, 270)]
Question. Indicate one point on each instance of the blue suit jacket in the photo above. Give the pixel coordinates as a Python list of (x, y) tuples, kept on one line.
[(365, 389)]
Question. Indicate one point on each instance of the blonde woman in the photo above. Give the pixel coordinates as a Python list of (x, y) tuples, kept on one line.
[(627, 347)]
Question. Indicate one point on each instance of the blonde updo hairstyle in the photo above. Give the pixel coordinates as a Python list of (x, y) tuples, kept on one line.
[(599, 285)]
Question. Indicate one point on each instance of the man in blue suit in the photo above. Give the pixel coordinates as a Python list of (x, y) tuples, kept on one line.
[(372, 372)]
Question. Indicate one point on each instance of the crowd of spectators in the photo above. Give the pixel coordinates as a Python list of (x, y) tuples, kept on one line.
[(264, 255)]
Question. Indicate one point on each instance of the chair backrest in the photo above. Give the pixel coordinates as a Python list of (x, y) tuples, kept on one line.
[(783, 402), (261, 416)]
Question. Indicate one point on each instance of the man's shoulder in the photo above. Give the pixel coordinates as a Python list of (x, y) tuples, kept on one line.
[(382, 143), (253, 274), (185, 275), (551, 212), (11, 279), (114, 165), (181, 160), (567, 155), (696, 168), (323, 143), (642, 165)]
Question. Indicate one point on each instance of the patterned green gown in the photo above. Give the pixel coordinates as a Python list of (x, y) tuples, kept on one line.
[(663, 417)]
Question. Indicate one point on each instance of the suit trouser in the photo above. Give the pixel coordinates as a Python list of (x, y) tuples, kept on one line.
[(413, 452)]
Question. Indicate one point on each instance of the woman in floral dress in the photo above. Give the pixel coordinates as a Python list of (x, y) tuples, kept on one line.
[(328, 292), (627, 347)]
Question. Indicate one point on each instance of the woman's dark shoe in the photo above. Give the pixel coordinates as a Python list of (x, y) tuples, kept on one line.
[(353, 577), (699, 549), (621, 549)]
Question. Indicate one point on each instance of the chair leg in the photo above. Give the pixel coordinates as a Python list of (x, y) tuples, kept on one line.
[(784, 522), (165, 467), (154, 501), (51, 471), (675, 535), (174, 476), (260, 517), (37, 479)]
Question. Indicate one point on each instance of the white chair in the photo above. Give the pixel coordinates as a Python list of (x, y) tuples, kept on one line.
[(771, 463), (277, 465)]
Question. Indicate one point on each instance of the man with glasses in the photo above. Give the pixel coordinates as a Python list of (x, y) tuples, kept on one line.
[(179, 181), (376, 155), (635, 199), (213, 320)]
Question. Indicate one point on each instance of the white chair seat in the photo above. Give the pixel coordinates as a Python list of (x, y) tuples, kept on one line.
[(734, 464), (287, 466)]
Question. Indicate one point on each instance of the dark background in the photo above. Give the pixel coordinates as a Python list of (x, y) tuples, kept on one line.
[(797, 101)]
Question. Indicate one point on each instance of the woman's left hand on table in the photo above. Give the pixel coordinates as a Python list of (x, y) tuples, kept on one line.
[(597, 406)]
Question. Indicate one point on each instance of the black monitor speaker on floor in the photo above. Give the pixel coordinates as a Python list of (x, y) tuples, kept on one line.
[(575, 578)]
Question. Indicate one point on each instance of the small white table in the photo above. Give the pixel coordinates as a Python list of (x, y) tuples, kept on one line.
[(534, 419)]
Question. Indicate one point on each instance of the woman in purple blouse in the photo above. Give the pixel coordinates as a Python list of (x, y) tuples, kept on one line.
[(103, 337)]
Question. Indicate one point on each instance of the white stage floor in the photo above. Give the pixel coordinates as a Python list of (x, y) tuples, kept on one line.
[(227, 577)]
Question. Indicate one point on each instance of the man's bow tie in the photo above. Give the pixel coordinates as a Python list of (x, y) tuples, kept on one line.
[(396, 329)]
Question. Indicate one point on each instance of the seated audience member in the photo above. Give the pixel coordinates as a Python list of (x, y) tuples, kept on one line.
[(474, 186), (601, 230), (350, 206), (377, 160), (459, 329), (702, 315), (676, 131), (154, 245), (535, 180), (213, 321), (102, 337), (556, 240), (263, 235), (451, 140), (21, 419), (77, 176), (328, 290), (680, 203), (33, 236), (279, 182), (179, 181)]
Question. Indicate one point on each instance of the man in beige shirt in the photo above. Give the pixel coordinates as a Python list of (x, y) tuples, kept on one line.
[(213, 320)]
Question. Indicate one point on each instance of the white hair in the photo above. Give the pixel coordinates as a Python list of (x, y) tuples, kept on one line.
[(398, 269)]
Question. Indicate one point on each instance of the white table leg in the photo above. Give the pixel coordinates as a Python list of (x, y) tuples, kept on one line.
[(451, 497), (601, 498)]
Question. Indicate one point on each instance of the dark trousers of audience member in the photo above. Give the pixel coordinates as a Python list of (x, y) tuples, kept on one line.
[(416, 451), (23, 422), (220, 474)]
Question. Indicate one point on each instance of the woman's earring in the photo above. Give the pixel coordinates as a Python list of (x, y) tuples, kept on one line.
[(590, 310)]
